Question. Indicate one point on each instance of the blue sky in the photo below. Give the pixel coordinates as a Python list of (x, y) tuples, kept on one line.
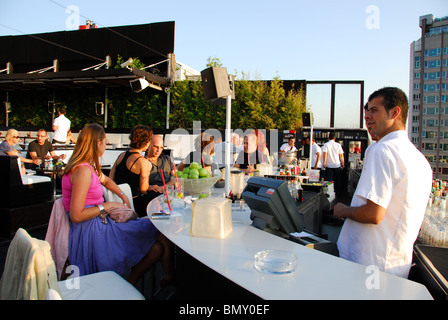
[(292, 39)]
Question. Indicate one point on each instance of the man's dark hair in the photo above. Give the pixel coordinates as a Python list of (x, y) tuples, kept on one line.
[(393, 97), (332, 135), (62, 110)]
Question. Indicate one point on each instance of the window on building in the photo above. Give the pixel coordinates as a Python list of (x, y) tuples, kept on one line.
[(432, 64), (430, 99), (431, 87), (431, 111), (433, 52), (432, 75), (430, 122), (417, 63)]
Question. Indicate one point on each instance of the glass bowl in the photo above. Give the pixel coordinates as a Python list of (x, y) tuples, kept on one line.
[(275, 261)]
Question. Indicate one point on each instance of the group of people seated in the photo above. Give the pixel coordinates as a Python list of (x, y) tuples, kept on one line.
[(39, 150), (110, 235)]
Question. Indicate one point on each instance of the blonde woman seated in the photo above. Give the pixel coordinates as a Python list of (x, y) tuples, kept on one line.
[(105, 235), (7, 149)]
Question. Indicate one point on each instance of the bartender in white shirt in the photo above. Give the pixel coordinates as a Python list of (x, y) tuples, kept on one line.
[(289, 146), (390, 200)]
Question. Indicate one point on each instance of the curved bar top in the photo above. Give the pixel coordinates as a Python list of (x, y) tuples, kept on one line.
[(318, 275)]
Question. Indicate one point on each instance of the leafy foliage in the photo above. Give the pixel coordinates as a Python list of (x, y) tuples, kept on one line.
[(257, 105)]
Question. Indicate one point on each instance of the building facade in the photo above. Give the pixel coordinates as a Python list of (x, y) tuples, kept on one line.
[(428, 101)]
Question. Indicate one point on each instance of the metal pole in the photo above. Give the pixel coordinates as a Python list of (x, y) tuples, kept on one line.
[(227, 145), (6, 110), (168, 104), (311, 145), (105, 108)]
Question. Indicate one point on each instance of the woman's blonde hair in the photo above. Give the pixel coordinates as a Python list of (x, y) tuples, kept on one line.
[(11, 133), (86, 148)]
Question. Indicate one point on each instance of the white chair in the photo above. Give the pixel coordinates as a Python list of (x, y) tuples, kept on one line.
[(110, 196), (30, 179), (30, 273)]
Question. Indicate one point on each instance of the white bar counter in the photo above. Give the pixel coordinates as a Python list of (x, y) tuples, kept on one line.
[(319, 276)]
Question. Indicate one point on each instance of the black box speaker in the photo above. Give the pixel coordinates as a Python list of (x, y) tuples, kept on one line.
[(215, 83), (223, 101), (307, 119)]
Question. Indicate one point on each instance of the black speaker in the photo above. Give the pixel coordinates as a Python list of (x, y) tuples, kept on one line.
[(215, 83), (307, 119), (223, 101)]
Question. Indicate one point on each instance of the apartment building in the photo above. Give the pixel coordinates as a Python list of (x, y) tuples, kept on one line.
[(428, 101)]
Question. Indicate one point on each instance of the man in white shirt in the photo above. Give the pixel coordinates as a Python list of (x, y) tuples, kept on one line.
[(316, 156), (61, 127), (332, 165), (389, 203), (332, 157), (289, 146)]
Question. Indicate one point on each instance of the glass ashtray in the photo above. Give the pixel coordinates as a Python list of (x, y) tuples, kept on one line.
[(275, 261)]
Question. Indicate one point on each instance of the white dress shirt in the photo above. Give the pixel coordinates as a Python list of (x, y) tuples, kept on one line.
[(333, 150), (287, 147), (62, 126), (397, 177), (316, 149)]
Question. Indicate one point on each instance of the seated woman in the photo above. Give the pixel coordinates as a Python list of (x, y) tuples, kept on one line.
[(205, 148), (6, 148), (96, 242), (133, 168)]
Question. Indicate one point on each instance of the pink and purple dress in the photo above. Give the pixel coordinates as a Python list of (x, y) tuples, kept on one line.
[(95, 246)]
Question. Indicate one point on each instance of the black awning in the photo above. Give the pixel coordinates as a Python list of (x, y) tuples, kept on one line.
[(77, 79)]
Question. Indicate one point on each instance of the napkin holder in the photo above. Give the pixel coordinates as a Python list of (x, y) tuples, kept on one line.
[(211, 218)]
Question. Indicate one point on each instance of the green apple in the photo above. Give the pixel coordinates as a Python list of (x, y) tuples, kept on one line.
[(193, 175), (185, 176), (187, 170), (195, 165), (179, 174), (203, 173)]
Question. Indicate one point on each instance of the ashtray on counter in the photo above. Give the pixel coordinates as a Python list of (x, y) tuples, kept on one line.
[(275, 261)]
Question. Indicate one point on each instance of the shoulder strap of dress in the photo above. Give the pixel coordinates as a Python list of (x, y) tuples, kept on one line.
[(134, 161)]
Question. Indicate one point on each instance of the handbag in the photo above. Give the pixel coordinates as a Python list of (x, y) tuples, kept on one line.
[(122, 215)]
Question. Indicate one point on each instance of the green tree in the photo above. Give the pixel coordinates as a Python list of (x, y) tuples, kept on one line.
[(258, 104), (213, 62)]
